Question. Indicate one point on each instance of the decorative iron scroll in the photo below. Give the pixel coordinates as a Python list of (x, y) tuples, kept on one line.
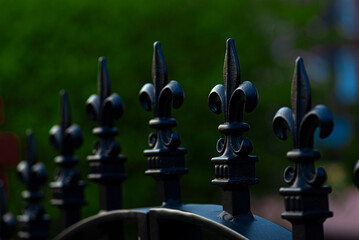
[(306, 198), (7, 220), (68, 188), (234, 169), (34, 221), (166, 163), (106, 165)]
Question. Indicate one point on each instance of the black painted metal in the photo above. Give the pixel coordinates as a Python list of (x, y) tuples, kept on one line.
[(34, 221), (206, 217), (356, 174), (234, 169), (166, 163), (306, 198), (68, 188), (107, 165), (187, 221), (175, 220), (97, 226), (7, 220)]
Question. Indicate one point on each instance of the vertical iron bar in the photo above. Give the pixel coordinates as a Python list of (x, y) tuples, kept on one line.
[(7, 220), (107, 164), (68, 188), (166, 163), (306, 198), (235, 168), (34, 221)]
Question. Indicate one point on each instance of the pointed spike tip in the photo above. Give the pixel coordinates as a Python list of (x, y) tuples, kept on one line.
[(299, 64), (231, 69), (102, 63), (159, 69), (300, 68), (299, 60), (156, 45), (31, 150), (64, 100), (29, 132), (230, 41), (157, 48), (102, 60), (63, 93), (65, 115), (102, 68), (104, 86), (231, 45), (301, 92)]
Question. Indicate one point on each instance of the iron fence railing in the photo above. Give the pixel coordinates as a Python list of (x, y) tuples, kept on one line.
[(306, 197)]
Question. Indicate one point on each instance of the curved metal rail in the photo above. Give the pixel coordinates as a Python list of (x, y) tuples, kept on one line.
[(185, 222)]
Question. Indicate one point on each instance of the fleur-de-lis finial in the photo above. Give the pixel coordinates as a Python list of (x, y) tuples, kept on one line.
[(34, 221), (68, 188), (32, 173), (7, 220), (305, 207), (105, 107), (66, 137), (302, 122), (234, 169), (166, 160), (160, 95), (107, 165)]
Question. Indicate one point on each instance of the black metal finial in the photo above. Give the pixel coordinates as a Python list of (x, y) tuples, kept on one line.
[(107, 165), (356, 174), (34, 220), (68, 188), (7, 220), (234, 169), (165, 159), (306, 198)]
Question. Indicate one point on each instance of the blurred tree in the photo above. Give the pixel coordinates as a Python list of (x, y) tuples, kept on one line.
[(46, 46)]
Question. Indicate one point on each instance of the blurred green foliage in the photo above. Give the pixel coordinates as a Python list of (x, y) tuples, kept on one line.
[(46, 46)]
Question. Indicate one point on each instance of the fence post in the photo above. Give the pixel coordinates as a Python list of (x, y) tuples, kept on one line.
[(107, 165), (34, 220), (356, 174), (306, 198), (166, 163), (234, 169), (7, 220), (68, 188)]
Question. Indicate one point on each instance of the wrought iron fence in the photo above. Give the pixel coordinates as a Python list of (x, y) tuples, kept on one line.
[(305, 199)]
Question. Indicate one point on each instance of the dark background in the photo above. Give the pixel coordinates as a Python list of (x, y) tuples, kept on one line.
[(46, 46)]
